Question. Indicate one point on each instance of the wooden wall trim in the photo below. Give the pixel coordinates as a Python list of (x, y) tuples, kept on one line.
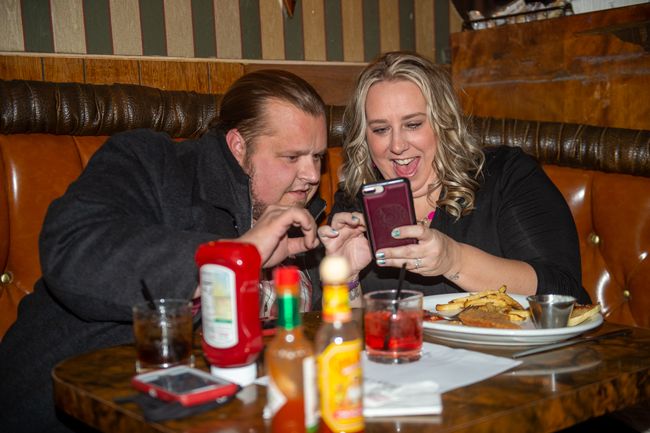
[(334, 81)]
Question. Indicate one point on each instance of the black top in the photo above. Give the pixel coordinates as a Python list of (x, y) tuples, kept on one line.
[(519, 215)]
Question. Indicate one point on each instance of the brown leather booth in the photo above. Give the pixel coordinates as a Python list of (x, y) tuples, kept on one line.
[(48, 131)]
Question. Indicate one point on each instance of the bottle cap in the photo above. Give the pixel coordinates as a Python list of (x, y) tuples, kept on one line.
[(242, 376), (334, 270), (286, 275)]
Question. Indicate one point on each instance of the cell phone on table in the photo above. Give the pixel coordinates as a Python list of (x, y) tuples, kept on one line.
[(189, 386), (387, 204)]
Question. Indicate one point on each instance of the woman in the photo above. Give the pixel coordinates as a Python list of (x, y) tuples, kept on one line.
[(487, 218)]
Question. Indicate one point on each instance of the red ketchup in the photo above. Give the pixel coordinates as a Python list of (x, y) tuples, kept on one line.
[(232, 334)]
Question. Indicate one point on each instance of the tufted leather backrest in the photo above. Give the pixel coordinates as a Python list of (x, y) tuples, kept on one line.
[(48, 131)]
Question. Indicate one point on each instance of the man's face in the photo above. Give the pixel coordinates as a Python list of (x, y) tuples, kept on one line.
[(285, 162)]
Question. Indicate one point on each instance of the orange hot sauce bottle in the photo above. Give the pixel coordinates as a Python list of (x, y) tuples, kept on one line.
[(292, 395), (338, 345)]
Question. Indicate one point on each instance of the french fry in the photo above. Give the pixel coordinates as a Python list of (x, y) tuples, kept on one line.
[(497, 301), (518, 315)]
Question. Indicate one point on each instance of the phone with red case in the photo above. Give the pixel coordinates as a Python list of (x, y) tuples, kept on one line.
[(189, 386), (386, 205)]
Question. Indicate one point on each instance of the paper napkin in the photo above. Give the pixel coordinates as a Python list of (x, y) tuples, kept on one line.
[(415, 388)]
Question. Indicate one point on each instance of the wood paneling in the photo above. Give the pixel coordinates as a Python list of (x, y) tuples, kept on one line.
[(175, 75), (114, 70), (63, 70), (21, 67), (333, 82), (589, 68), (222, 75)]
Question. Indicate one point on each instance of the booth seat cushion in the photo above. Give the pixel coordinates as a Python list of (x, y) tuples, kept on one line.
[(612, 215), (36, 168)]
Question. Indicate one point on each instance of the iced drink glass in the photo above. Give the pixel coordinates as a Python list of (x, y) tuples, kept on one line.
[(163, 334), (393, 326)]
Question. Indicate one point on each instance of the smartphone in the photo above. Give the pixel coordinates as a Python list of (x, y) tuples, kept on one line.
[(386, 205), (189, 386)]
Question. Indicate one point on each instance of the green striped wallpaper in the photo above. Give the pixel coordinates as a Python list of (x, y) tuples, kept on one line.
[(319, 30)]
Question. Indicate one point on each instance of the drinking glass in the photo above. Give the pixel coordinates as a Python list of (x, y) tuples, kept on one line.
[(163, 334), (393, 326)]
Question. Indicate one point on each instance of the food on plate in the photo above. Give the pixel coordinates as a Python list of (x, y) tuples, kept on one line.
[(497, 298), (487, 317), (582, 313), (488, 309)]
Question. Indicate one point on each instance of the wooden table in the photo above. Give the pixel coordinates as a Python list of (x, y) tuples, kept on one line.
[(546, 393)]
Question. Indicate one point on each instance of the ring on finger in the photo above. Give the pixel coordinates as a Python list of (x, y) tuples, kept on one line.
[(418, 263)]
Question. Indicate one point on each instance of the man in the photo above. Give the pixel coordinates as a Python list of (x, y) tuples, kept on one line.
[(139, 211)]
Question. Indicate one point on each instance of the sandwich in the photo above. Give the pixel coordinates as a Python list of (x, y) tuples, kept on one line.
[(581, 313)]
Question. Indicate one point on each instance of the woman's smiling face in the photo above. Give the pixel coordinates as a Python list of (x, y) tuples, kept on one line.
[(400, 138)]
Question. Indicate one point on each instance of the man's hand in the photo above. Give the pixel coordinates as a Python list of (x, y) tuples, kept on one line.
[(269, 234)]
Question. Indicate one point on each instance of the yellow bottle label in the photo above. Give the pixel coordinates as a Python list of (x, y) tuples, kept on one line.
[(336, 305), (341, 391)]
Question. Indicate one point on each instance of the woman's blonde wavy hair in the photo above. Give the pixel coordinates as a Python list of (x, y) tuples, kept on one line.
[(458, 161)]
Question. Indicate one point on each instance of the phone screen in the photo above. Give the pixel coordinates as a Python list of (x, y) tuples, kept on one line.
[(184, 382), (387, 204)]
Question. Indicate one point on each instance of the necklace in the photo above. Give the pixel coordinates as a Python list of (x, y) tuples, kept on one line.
[(427, 219)]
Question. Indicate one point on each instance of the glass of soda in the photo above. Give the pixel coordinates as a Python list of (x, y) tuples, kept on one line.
[(163, 334), (393, 326)]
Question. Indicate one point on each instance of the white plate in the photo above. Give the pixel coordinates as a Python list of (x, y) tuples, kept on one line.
[(527, 336)]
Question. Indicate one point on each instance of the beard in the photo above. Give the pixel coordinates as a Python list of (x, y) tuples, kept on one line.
[(257, 203)]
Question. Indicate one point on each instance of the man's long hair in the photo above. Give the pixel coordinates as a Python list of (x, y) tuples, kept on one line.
[(243, 105)]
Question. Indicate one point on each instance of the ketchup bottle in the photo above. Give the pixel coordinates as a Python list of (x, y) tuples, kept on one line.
[(232, 335)]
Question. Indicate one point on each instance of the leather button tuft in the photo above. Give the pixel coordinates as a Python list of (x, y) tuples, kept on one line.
[(594, 239), (6, 278)]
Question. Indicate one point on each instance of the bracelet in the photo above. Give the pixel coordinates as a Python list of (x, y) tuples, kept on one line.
[(354, 284)]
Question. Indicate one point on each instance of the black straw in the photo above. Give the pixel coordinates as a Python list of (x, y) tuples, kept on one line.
[(400, 283), (147, 295)]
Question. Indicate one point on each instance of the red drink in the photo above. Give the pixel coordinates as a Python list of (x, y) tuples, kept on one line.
[(393, 329)]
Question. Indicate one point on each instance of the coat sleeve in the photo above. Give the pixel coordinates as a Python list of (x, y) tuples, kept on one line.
[(116, 227)]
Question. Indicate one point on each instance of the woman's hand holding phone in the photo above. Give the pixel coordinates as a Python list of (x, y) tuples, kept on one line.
[(434, 254)]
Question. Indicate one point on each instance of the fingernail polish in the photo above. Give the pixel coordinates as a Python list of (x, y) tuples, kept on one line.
[(380, 255), (381, 261), (395, 233), (355, 218), (334, 231)]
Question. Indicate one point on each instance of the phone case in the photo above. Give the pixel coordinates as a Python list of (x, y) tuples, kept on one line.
[(187, 385), (387, 204)]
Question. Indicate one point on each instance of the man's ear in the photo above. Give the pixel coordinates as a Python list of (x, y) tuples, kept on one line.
[(237, 145)]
